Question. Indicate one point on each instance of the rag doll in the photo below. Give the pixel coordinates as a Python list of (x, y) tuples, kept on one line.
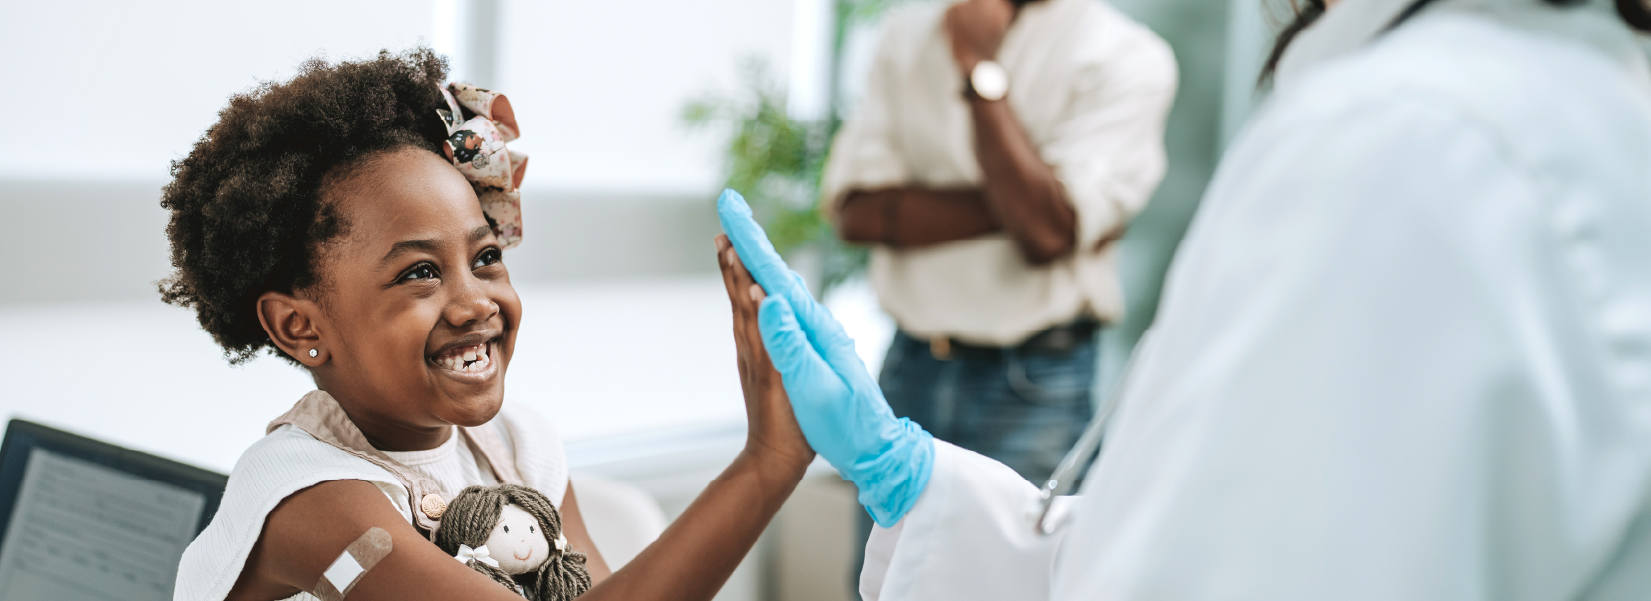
[(513, 535)]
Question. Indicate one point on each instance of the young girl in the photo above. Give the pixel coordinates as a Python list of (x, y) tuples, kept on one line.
[(329, 221)]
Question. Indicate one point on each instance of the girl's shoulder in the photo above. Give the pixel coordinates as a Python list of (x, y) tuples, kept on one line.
[(536, 446), (289, 459), (286, 444), (283, 462)]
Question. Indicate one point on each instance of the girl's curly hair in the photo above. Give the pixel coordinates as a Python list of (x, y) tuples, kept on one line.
[(246, 204)]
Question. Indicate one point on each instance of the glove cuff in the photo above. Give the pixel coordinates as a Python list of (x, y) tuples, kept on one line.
[(891, 481)]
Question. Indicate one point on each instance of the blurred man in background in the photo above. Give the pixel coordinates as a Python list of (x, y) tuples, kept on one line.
[(999, 151)]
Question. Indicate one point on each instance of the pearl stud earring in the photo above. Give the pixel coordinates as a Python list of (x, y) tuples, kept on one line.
[(314, 353)]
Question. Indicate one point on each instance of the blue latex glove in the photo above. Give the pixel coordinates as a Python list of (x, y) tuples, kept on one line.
[(838, 404)]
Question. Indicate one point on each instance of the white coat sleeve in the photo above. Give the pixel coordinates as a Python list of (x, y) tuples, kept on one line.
[(969, 536), (1394, 361)]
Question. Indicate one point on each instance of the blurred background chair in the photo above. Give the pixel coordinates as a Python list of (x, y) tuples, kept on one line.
[(623, 519)]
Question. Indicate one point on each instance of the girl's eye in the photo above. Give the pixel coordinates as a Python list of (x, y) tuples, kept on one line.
[(488, 257), (422, 271), (507, 530), (530, 530)]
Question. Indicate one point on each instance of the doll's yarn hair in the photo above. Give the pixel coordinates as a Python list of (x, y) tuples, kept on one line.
[(470, 518)]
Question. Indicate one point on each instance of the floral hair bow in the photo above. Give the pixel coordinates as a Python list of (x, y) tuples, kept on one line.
[(479, 122)]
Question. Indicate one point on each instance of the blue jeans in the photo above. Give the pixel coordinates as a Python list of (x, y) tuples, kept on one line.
[(1023, 408)]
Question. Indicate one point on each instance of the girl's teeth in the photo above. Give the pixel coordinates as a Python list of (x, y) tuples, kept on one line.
[(470, 360)]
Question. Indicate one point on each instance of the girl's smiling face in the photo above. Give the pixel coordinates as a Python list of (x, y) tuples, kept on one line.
[(413, 316)]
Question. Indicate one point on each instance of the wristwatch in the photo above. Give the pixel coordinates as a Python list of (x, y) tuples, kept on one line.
[(987, 81)]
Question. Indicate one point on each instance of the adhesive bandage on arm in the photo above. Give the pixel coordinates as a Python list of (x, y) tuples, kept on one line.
[(356, 560)]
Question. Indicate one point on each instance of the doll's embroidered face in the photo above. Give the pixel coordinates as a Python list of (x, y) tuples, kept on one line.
[(516, 525), (517, 542), (419, 316)]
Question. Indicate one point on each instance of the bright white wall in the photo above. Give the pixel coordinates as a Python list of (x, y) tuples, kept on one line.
[(117, 90), (599, 86)]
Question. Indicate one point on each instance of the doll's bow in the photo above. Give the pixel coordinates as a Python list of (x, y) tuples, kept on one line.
[(467, 554), (479, 122)]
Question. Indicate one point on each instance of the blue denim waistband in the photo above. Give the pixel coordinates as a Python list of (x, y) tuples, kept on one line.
[(1058, 340)]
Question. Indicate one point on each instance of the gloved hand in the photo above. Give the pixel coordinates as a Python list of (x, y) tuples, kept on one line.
[(838, 404)]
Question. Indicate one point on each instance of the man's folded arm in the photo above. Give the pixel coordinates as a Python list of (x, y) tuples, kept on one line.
[(909, 216)]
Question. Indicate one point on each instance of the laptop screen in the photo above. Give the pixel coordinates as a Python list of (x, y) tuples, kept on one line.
[(86, 524)]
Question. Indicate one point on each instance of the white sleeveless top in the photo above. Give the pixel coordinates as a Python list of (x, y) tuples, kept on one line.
[(289, 460), (452, 465)]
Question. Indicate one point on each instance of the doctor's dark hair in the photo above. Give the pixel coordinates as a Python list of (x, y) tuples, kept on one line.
[(1637, 13), (247, 215), (470, 519)]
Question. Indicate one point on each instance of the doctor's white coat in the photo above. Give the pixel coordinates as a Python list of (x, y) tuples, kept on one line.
[(1404, 354)]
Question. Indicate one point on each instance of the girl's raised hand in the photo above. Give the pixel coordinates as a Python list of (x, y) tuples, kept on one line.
[(837, 403), (772, 433)]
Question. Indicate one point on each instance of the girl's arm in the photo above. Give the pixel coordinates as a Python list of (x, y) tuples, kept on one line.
[(697, 553), (309, 529), (691, 560)]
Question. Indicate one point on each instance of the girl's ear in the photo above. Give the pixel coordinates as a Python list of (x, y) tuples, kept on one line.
[(291, 324)]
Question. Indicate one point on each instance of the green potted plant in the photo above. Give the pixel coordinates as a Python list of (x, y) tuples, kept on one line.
[(776, 161)]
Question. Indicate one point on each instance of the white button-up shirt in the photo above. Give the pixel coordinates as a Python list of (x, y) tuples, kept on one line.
[(1091, 88)]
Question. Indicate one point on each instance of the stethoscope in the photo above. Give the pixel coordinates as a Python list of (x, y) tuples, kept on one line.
[(1078, 459)]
